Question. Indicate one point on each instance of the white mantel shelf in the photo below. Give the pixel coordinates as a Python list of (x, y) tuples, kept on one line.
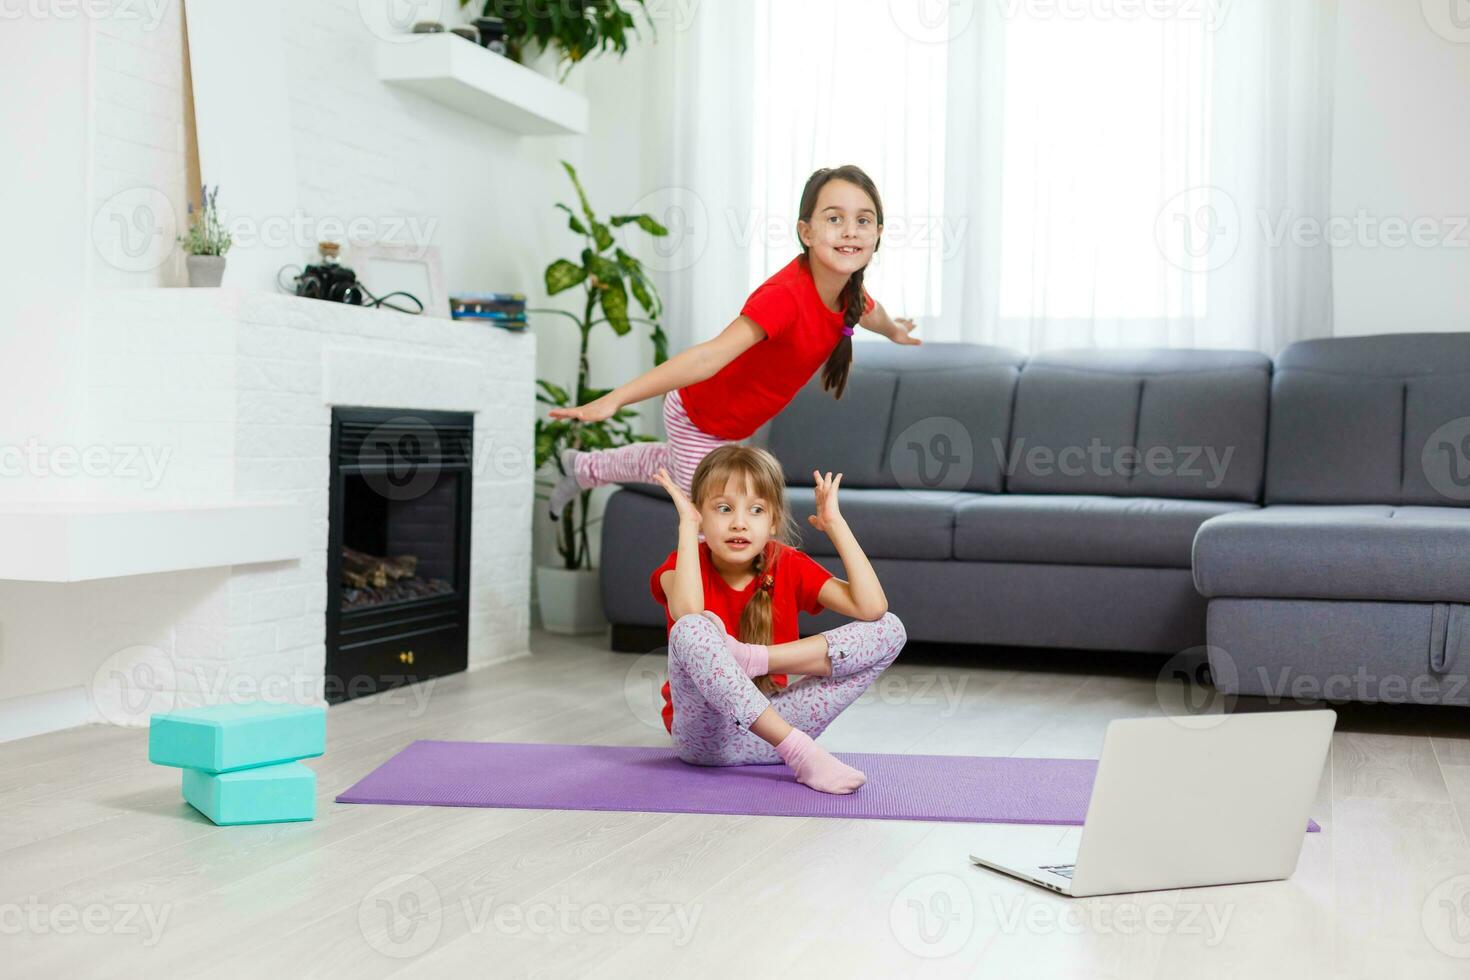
[(85, 540), (468, 78)]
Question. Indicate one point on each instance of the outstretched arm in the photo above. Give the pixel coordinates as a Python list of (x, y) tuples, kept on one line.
[(684, 368), (861, 594), (899, 331)]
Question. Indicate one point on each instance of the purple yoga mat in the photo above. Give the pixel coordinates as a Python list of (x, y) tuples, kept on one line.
[(973, 789)]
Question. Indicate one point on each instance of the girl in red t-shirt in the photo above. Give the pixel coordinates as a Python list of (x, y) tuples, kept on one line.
[(797, 321), (744, 581)]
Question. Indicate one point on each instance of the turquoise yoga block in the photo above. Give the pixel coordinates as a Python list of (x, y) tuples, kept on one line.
[(225, 737), (265, 794)]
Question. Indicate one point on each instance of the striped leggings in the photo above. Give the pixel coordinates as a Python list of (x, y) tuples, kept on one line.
[(639, 462)]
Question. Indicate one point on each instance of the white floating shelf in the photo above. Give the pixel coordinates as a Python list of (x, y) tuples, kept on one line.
[(77, 542), (480, 83)]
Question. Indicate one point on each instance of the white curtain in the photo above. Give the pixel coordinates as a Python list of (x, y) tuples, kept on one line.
[(698, 166), (842, 81), (1136, 180)]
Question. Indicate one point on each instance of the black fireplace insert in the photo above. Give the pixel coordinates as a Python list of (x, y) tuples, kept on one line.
[(398, 548)]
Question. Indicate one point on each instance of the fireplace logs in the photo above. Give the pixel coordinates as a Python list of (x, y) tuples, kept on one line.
[(368, 580)]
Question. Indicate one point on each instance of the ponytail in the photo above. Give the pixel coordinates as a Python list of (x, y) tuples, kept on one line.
[(756, 621), (839, 362)]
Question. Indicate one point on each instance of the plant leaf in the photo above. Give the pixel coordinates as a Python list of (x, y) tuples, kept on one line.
[(605, 269), (572, 173), (644, 221), (601, 236), (563, 274), (573, 222), (557, 392), (642, 287), (615, 307)]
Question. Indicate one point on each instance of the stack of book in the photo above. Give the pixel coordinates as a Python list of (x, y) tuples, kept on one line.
[(506, 310)]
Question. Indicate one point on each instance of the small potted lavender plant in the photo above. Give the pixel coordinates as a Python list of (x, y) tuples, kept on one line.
[(207, 241)]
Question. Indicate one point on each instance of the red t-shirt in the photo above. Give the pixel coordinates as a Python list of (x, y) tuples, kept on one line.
[(801, 333), (798, 579)]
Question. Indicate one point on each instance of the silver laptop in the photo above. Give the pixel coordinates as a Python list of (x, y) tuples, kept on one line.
[(1183, 802)]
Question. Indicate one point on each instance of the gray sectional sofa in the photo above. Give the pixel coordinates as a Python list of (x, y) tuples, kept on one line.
[(1304, 518)]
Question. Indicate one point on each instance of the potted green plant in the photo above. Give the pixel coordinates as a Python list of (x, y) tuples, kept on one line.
[(608, 275), (207, 241), (571, 31)]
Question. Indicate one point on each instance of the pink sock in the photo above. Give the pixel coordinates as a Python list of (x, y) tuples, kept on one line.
[(815, 766), (753, 658)]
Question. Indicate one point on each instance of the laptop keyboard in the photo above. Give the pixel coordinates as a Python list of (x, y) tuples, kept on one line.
[(1065, 870)]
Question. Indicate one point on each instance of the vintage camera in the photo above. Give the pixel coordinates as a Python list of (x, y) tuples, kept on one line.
[(331, 280)]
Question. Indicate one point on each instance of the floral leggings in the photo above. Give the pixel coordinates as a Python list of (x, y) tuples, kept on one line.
[(715, 703)]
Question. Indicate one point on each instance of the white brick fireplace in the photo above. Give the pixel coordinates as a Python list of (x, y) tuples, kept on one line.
[(229, 394)]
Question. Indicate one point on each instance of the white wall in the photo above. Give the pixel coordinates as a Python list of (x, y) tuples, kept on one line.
[(94, 191), (1401, 136)]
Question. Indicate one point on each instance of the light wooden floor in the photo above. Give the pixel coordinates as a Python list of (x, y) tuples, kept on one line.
[(105, 871)]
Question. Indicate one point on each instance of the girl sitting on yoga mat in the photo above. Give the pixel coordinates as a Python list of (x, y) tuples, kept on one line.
[(744, 581), (797, 321)]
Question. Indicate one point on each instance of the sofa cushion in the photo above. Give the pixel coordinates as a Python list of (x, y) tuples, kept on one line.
[(887, 523), (922, 418), (1068, 529), (1410, 554), (1371, 420), (1163, 423)]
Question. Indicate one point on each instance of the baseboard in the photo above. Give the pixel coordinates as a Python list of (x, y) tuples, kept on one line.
[(37, 714)]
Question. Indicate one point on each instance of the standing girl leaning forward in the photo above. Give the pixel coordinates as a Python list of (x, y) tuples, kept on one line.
[(744, 581), (798, 320)]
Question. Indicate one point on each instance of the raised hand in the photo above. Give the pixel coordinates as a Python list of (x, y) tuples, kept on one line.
[(594, 411), (688, 513), (827, 513), (904, 333)]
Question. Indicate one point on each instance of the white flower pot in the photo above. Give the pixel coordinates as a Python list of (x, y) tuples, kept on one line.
[(206, 270), (571, 601)]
